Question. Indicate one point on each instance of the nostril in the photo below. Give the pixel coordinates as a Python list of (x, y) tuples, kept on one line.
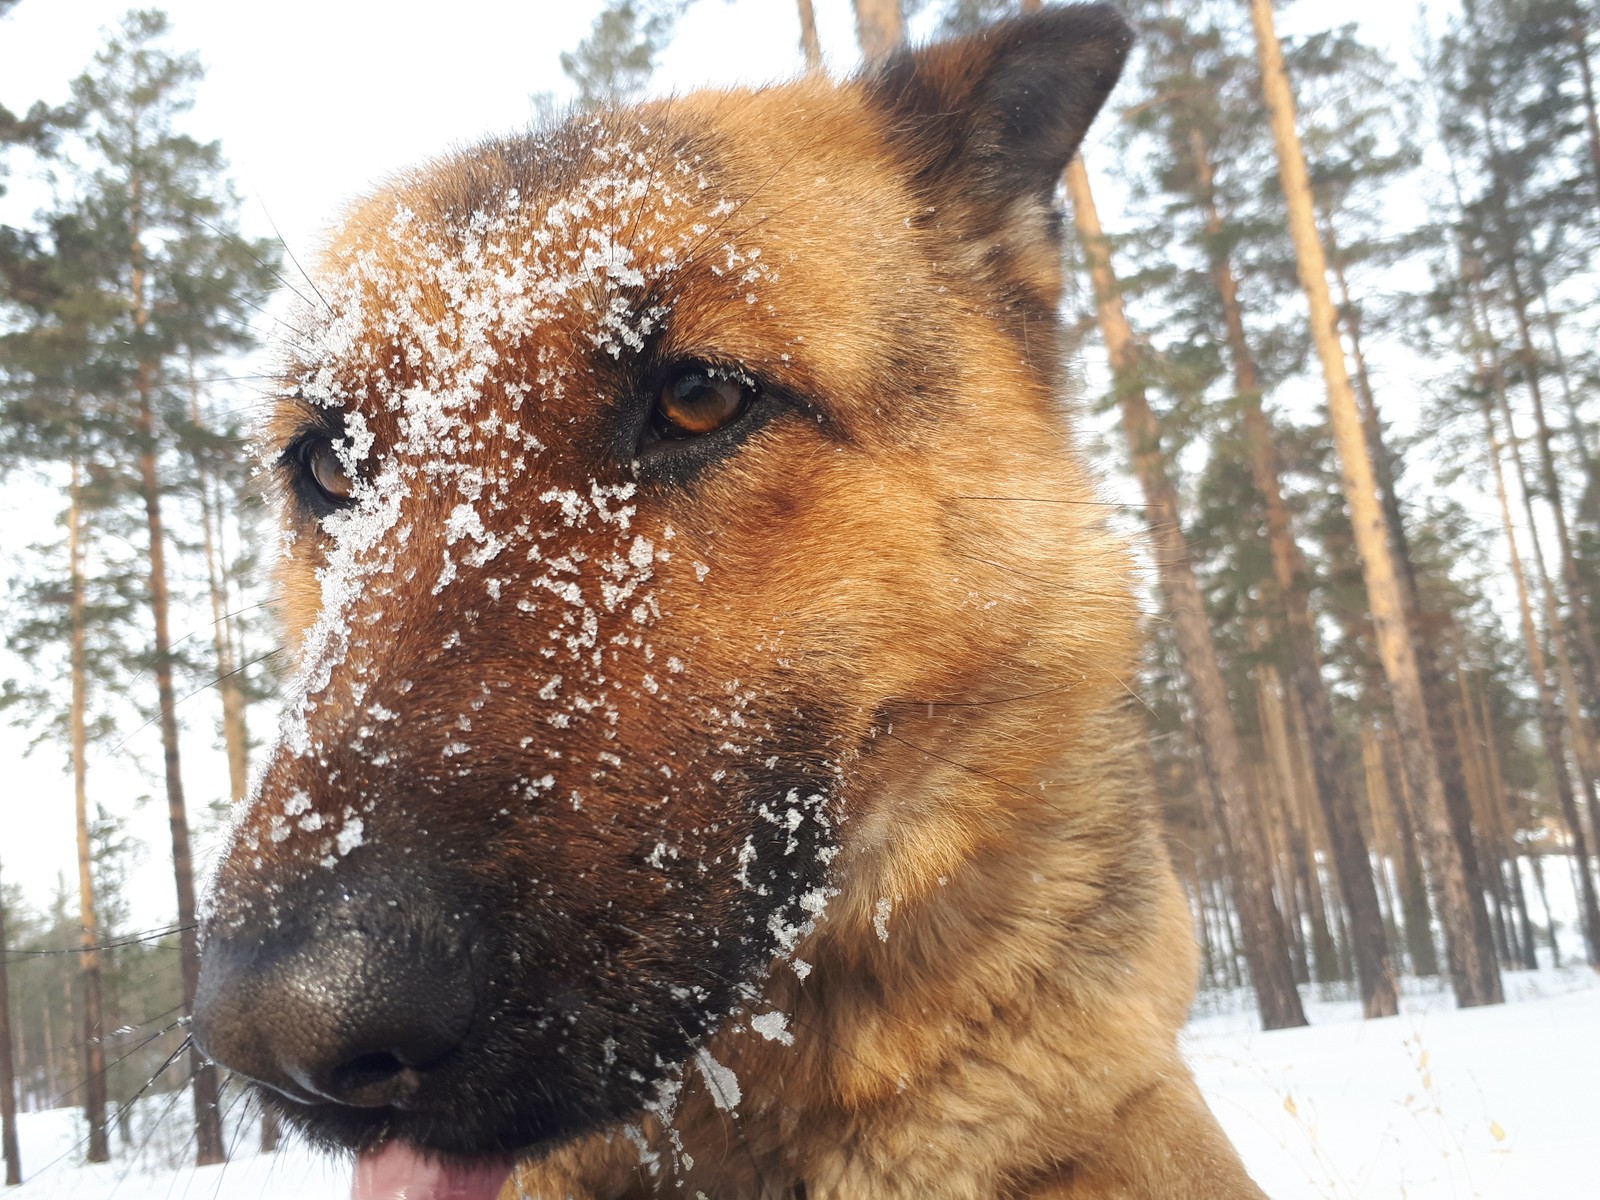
[(368, 1068), (372, 1081)]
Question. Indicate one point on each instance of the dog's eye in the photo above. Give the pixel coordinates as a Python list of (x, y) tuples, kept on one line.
[(696, 400), (326, 471)]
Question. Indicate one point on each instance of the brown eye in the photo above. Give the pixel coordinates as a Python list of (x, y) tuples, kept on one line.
[(698, 401), (327, 472)]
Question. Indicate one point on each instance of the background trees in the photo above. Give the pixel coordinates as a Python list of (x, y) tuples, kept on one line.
[(1368, 487), (118, 300)]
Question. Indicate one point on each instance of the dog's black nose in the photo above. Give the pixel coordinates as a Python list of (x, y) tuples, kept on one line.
[(352, 998)]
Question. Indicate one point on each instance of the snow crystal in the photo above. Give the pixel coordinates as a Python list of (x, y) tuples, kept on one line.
[(351, 835), (720, 1081), (773, 1026), (880, 917)]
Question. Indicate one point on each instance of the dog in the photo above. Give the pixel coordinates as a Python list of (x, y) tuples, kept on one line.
[(711, 770)]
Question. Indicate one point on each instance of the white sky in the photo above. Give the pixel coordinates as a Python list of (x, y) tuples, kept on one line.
[(313, 101)]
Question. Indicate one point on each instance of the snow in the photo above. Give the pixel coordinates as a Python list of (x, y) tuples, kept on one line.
[(724, 1084), (1438, 1104)]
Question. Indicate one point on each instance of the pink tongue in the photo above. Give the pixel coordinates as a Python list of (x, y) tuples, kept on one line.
[(396, 1171)]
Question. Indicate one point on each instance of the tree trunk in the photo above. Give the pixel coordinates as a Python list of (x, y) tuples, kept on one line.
[(1580, 38), (1299, 846), (808, 36), (1537, 862), (271, 1131), (1266, 947), (94, 1058), (1331, 770), (235, 734), (1576, 426), (1385, 829), (1474, 974), (1504, 832), (1578, 725), (878, 27), (1549, 718), (1464, 724), (209, 1146), (1422, 625), (1586, 654), (1582, 630), (8, 1079)]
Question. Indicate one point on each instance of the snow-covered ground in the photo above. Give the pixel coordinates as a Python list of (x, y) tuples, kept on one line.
[(1438, 1104)]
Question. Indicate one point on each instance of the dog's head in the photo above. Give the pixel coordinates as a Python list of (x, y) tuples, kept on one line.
[(636, 476)]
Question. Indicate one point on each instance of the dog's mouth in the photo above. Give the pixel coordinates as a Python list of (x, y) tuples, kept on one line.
[(399, 1171)]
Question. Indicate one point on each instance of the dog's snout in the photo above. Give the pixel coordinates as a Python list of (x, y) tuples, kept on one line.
[(355, 1006)]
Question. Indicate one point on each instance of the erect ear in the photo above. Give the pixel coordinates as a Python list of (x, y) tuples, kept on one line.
[(986, 123), (1004, 108)]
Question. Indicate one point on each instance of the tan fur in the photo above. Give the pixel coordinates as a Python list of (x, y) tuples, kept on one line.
[(993, 996)]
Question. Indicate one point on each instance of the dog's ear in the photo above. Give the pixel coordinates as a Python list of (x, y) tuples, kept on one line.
[(1003, 110), (986, 123)]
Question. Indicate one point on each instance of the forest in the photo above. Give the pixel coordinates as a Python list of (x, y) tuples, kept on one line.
[(1334, 304)]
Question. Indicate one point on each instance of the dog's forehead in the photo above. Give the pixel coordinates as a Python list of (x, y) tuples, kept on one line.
[(493, 283), (529, 281)]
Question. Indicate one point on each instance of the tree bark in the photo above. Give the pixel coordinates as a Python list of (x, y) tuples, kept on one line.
[(1266, 946), (1474, 974), (94, 1058), (1331, 769), (1463, 720), (8, 1078), (878, 27), (809, 44)]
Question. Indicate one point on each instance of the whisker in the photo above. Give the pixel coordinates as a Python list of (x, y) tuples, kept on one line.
[(271, 270), (190, 695), (1056, 500), (304, 274), (58, 1101), (933, 754), (132, 939), (1017, 699)]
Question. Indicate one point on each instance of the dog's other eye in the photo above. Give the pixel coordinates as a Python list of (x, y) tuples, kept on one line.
[(327, 472), (696, 400)]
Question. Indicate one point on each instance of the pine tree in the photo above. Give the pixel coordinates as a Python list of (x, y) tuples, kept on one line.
[(1190, 72), (51, 371), (153, 202), (1473, 970), (614, 63), (8, 1079), (1266, 947)]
